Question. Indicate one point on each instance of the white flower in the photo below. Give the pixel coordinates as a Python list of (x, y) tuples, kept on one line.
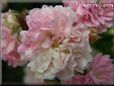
[(49, 62)]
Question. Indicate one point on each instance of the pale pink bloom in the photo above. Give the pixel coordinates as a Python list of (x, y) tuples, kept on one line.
[(81, 50), (47, 26), (93, 16), (68, 71), (76, 40), (32, 41), (49, 42), (96, 17), (8, 47), (81, 57), (10, 41), (100, 72), (50, 18), (48, 63)]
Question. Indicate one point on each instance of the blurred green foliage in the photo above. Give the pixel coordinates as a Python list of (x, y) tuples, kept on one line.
[(105, 44), (10, 74)]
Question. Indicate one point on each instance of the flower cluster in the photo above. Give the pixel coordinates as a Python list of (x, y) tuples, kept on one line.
[(99, 72), (95, 15), (56, 43)]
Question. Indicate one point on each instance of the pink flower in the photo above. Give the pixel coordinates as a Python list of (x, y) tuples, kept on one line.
[(100, 72), (50, 18), (9, 45), (42, 43), (10, 40), (33, 41), (81, 52), (49, 42), (47, 64), (47, 26), (92, 16), (68, 71)]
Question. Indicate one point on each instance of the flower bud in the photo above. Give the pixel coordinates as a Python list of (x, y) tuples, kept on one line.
[(10, 20)]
